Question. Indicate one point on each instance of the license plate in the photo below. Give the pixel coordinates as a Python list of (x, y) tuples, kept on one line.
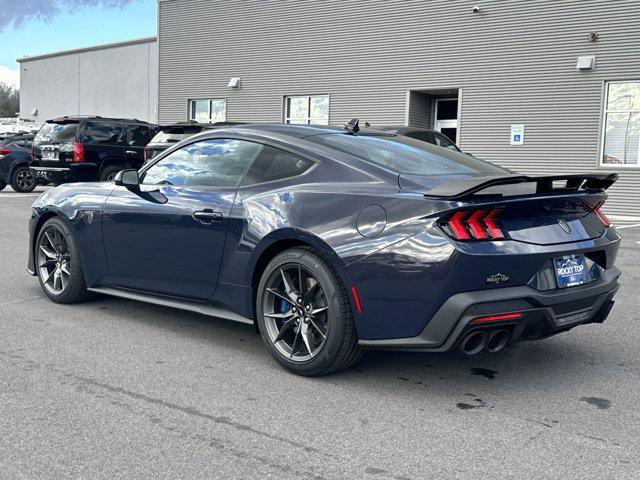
[(570, 270), (49, 155)]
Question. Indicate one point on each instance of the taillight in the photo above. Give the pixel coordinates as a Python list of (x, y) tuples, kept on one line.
[(602, 217), (144, 155), (33, 153), (5, 151), (78, 152), (475, 225)]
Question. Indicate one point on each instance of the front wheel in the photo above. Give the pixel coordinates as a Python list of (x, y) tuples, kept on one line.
[(22, 179), (58, 263), (304, 314)]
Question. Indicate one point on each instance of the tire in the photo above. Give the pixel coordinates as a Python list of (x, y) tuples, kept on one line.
[(337, 347), (2, 185), (22, 180), (60, 250), (107, 173)]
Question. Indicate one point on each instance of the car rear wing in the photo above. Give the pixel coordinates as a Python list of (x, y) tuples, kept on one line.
[(460, 189)]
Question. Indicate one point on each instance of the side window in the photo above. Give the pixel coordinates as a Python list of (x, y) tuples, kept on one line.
[(102, 132), (137, 135), (210, 163), (274, 164)]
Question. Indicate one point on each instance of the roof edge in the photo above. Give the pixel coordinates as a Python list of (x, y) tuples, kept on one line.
[(103, 46)]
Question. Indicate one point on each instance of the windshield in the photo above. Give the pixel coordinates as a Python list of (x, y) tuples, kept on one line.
[(406, 155), (57, 132)]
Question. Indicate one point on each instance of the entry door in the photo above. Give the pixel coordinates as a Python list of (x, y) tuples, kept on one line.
[(168, 235), (446, 117)]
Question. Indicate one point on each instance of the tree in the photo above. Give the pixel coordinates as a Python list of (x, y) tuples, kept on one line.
[(9, 101)]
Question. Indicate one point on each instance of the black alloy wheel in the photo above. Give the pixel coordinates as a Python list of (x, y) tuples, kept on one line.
[(23, 180), (58, 263), (304, 314)]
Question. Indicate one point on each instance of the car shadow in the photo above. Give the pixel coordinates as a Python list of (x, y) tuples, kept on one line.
[(527, 367)]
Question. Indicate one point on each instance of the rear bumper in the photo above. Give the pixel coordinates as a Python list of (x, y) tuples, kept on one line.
[(545, 313), (81, 172)]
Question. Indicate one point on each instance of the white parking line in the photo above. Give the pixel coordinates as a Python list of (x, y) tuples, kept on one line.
[(628, 226), (19, 195)]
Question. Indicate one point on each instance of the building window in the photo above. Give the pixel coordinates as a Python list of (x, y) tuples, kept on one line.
[(621, 120), (308, 109), (208, 110)]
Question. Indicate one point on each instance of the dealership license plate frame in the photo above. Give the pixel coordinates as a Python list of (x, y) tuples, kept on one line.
[(569, 278)]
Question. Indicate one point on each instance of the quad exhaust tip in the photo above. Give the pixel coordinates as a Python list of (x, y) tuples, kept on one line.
[(474, 342), (498, 339), (493, 340)]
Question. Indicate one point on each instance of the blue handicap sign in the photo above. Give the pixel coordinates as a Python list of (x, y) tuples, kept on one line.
[(516, 137)]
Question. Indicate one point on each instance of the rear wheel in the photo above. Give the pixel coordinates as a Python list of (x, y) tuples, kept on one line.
[(58, 263), (108, 173), (22, 179), (304, 315)]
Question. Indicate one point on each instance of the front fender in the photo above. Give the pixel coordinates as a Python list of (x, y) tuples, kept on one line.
[(80, 207)]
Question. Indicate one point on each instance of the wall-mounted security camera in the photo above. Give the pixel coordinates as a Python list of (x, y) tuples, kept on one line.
[(476, 9)]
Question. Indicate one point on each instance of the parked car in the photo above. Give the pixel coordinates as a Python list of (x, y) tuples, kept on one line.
[(15, 155), (332, 240), (430, 136), (168, 135), (80, 149)]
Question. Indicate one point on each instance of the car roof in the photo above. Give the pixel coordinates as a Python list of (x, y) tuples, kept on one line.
[(95, 118)]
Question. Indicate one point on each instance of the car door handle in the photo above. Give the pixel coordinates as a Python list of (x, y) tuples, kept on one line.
[(207, 216), (130, 152)]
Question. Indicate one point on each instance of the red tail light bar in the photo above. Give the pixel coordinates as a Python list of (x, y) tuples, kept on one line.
[(498, 318), (5, 151), (475, 225), (601, 216)]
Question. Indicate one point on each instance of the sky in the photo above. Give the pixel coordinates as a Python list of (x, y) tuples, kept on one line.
[(34, 27)]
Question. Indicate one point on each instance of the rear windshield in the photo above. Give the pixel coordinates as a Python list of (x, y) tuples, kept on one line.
[(57, 132), (405, 155)]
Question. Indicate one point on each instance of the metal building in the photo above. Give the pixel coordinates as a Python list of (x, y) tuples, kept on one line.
[(542, 86), (111, 80)]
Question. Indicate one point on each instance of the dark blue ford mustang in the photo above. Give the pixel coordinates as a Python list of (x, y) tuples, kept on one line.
[(334, 240)]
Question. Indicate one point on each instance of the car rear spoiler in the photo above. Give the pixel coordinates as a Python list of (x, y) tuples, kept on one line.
[(459, 189)]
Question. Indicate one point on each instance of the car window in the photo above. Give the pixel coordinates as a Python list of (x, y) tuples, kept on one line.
[(213, 163), (405, 155), (443, 141), (57, 132), (102, 132), (274, 164), (137, 135)]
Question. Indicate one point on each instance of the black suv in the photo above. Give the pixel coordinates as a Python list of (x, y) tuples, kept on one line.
[(84, 149)]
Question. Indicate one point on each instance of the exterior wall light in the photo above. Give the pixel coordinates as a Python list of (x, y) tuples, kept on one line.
[(235, 82)]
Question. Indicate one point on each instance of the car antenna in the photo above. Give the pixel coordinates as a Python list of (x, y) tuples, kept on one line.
[(352, 126)]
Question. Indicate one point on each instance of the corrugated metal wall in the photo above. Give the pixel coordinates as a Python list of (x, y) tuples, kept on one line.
[(514, 61)]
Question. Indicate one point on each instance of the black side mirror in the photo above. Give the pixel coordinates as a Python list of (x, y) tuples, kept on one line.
[(127, 178)]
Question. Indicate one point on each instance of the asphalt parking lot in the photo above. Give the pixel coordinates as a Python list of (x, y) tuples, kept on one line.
[(119, 389)]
